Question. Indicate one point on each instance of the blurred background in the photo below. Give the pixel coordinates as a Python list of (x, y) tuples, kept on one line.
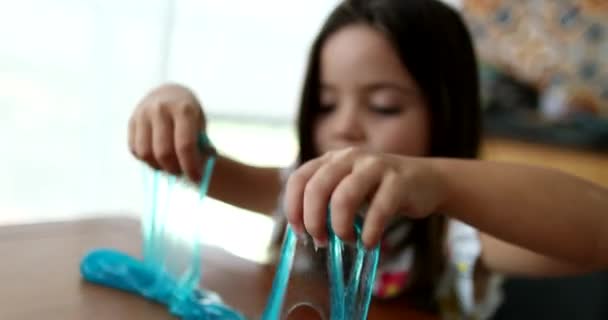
[(75, 70), (71, 73)]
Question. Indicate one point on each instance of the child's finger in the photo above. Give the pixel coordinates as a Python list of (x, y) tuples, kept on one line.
[(162, 141), (317, 193), (143, 142), (294, 193), (132, 133), (384, 206), (350, 195), (186, 145)]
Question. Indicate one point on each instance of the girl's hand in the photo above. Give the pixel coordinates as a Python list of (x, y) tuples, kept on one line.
[(348, 179), (164, 129)]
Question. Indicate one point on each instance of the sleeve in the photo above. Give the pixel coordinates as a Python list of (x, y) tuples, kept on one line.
[(463, 248)]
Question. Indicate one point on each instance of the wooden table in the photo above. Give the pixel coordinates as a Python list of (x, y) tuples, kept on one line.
[(583, 163), (40, 279)]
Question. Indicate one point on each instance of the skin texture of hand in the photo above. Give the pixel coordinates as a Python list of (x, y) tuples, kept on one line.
[(559, 231), (349, 179), (164, 129)]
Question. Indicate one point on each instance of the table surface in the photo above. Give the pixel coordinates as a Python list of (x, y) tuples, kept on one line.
[(40, 275)]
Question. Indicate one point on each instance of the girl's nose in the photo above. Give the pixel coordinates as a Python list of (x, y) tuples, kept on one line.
[(348, 124)]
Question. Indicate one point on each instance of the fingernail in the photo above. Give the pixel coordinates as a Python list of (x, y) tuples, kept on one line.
[(319, 244), (300, 234), (298, 230), (302, 238)]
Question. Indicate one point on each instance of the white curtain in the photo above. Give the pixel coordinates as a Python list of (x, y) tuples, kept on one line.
[(245, 57), (71, 72)]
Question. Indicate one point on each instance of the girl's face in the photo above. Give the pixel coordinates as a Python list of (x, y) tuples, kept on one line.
[(368, 98)]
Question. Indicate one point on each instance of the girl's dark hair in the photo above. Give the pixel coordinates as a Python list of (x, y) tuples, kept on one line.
[(435, 46)]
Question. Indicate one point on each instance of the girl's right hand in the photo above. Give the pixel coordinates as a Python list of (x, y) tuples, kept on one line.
[(164, 129)]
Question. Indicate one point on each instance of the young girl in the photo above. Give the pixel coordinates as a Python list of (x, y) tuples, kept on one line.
[(390, 95)]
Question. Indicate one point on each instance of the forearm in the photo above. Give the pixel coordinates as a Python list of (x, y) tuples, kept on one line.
[(505, 258), (252, 188), (540, 209)]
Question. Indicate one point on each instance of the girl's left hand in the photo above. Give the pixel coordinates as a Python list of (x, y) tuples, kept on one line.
[(350, 178)]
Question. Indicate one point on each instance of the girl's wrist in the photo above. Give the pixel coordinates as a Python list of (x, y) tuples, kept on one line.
[(442, 169)]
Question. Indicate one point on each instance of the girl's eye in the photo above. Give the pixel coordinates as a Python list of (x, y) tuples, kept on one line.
[(326, 108), (386, 110)]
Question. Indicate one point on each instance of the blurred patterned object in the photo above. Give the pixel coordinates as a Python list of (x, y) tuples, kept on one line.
[(548, 44)]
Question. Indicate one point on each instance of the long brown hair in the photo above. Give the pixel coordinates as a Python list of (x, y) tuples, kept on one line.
[(435, 46)]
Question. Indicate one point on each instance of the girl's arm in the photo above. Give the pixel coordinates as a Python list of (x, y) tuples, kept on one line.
[(506, 258), (248, 187), (547, 211)]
